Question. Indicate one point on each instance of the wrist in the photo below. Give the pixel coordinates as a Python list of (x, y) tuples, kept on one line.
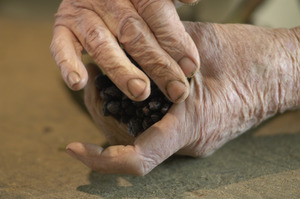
[(289, 69)]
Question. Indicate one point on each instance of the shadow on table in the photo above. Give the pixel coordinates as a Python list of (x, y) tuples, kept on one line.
[(242, 159)]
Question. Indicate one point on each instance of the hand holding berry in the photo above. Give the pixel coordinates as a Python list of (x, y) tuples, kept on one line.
[(149, 30), (247, 75)]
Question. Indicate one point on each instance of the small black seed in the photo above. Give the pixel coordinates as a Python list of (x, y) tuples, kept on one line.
[(102, 81), (104, 97), (105, 112), (165, 107), (146, 111), (147, 122), (155, 92), (137, 115), (155, 117), (139, 104), (126, 103), (154, 104), (135, 126), (124, 97), (166, 99), (130, 110), (139, 112), (113, 107), (113, 91), (125, 118)]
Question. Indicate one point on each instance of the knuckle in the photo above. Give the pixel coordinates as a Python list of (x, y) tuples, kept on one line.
[(175, 43), (169, 32), (158, 68), (95, 41), (142, 5), (131, 30), (56, 45), (65, 12), (58, 56), (173, 46)]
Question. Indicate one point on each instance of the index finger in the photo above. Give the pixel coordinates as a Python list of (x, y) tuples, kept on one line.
[(164, 22), (139, 41)]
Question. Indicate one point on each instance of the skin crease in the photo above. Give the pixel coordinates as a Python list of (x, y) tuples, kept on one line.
[(156, 40), (247, 75)]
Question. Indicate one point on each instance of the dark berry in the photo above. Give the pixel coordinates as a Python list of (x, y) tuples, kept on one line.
[(139, 116), (135, 126), (155, 104), (113, 107), (146, 111), (155, 117), (130, 110), (165, 107), (147, 122), (113, 91)]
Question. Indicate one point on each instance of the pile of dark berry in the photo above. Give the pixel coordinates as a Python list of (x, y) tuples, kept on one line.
[(139, 116)]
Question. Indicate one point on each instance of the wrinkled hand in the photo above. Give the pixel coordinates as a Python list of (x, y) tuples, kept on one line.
[(248, 74), (149, 30)]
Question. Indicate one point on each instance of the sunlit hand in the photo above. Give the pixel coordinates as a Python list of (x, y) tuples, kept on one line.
[(149, 30), (247, 74)]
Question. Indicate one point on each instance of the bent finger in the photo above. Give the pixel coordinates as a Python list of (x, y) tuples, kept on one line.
[(140, 42), (164, 22), (105, 50)]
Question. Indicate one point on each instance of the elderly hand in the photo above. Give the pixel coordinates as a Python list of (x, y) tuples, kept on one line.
[(248, 74), (149, 30)]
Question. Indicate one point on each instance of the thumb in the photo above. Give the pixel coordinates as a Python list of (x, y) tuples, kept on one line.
[(150, 148)]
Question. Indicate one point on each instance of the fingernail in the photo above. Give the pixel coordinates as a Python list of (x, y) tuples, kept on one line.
[(175, 90), (73, 78), (71, 153), (188, 66), (136, 87)]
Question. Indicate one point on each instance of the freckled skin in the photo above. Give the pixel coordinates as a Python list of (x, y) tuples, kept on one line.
[(247, 75)]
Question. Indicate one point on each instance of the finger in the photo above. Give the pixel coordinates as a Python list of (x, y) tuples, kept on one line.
[(103, 47), (66, 52), (114, 159), (138, 40), (164, 22), (150, 149)]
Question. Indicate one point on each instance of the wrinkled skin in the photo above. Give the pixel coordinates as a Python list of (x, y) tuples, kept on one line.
[(247, 74), (149, 30)]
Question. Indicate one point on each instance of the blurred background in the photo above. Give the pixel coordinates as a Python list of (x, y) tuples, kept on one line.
[(39, 116), (271, 13)]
